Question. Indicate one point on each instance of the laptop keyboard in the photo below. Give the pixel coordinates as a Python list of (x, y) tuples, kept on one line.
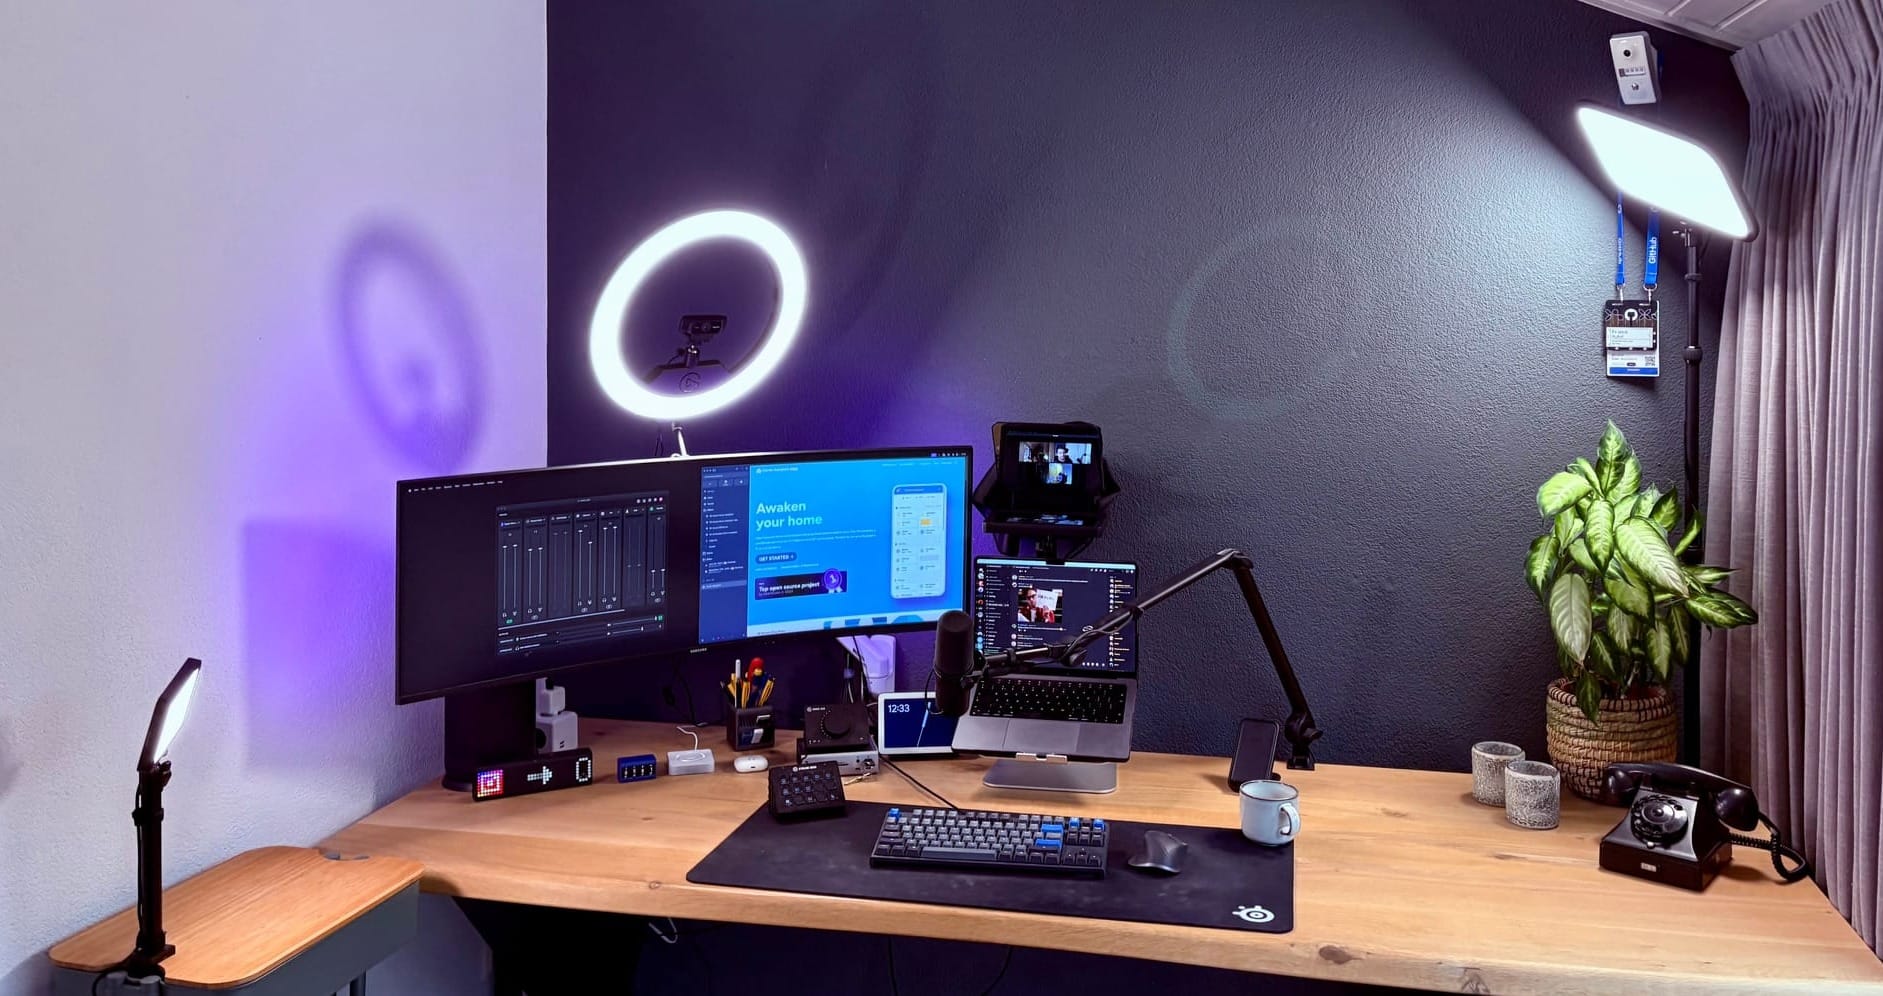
[(1039, 698)]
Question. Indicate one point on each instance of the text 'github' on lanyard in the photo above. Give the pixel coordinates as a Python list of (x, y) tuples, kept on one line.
[(1651, 267)]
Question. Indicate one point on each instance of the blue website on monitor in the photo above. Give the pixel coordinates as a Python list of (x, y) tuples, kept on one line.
[(830, 544)]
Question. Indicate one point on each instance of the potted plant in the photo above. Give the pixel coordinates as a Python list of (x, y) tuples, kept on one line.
[(1620, 603)]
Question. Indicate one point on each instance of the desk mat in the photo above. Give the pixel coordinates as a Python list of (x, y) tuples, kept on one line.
[(1227, 882)]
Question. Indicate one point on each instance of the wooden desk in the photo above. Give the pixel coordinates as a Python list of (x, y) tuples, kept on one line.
[(235, 924), (1401, 878)]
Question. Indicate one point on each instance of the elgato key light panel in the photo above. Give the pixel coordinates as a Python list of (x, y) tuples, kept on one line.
[(1029, 603), (508, 576)]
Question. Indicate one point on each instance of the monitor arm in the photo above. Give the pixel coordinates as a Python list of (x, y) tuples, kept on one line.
[(1300, 728)]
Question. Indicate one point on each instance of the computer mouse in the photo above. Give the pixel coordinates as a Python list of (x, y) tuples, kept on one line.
[(750, 763), (1161, 852)]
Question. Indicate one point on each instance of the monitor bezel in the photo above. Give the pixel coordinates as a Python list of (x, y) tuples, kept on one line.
[(403, 696)]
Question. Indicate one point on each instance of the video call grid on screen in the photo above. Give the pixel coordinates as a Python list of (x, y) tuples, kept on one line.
[(1053, 462), (1024, 603)]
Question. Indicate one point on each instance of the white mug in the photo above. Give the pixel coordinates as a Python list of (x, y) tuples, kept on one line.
[(1269, 814)]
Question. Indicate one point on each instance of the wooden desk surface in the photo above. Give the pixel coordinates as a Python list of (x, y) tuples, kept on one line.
[(242, 919), (1401, 879)]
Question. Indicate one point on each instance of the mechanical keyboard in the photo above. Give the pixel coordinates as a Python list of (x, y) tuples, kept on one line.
[(1044, 698), (969, 838)]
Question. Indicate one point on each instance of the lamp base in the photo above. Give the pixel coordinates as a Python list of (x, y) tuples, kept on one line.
[(143, 964)]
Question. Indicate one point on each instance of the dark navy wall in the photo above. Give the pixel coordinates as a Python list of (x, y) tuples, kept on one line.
[(1328, 273)]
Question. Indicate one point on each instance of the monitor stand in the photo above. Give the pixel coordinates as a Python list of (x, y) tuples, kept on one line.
[(487, 727), (1099, 778)]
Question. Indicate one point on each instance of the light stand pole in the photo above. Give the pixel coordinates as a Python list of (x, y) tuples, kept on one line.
[(1690, 498)]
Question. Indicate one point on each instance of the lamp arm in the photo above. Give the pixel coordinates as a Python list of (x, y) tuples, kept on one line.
[(1300, 728), (151, 947)]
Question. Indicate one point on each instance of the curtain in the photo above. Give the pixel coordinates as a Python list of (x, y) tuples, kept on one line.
[(1794, 705)]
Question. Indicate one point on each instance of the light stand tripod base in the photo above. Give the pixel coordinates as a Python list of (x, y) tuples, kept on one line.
[(1099, 778)]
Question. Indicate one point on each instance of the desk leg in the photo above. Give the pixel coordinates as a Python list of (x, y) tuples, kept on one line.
[(545, 951)]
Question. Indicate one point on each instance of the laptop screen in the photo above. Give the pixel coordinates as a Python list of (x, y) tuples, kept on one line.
[(1028, 603)]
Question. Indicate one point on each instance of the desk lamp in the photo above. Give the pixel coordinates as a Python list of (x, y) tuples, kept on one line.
[(153, 773), (611, 309), (1680, 177)]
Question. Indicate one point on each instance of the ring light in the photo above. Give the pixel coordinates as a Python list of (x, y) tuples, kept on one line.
[(611, 309)]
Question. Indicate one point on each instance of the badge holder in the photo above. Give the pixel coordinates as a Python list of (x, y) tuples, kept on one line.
[(1631, 330)]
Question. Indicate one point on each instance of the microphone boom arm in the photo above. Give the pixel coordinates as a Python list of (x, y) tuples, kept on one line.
[(1300, 728)]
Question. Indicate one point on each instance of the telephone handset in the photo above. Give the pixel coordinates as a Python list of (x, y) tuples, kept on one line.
[(1679, 825)]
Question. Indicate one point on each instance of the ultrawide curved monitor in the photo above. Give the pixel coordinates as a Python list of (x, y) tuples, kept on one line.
[(510, 576)]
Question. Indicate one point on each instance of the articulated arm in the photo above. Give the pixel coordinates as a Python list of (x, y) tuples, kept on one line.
[(1299, 728)]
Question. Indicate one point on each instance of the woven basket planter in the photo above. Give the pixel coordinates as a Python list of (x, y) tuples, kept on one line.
[(1637, 728)]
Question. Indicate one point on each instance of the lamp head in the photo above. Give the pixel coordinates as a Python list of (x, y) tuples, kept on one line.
[(167, 718), (1666, 170)]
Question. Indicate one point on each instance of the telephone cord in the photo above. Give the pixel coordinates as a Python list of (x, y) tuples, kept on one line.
[(1780, 852)]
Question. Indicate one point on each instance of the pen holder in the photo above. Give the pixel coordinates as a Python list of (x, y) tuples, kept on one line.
[(751, 729)]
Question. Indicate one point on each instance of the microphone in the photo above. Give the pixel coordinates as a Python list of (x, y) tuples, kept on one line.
[(954, 661)]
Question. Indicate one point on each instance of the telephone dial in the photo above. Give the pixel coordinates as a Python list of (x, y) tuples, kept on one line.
[(1680, 823)]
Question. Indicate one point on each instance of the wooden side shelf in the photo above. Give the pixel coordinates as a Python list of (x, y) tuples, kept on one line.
[(242, 919)]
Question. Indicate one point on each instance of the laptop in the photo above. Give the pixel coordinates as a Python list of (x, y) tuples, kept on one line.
[(1080, 711)]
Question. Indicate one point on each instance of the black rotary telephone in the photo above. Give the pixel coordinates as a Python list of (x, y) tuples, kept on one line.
[(1680, 823)]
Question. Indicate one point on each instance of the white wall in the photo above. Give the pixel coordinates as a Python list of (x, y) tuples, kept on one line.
[(188, 461)]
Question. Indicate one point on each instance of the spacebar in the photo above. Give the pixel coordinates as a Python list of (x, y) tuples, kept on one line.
[(960, 853)]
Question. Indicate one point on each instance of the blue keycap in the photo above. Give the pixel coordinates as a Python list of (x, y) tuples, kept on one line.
[(1052, 828), (1048, 844)]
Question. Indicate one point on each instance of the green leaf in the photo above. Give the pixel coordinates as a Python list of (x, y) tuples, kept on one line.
[(1703, 576), (1628, 594), (1622, 629), (1660, 651), (1625, 509), (1692, 533), (1677, 620), (1560, 492), (1666, 511), (1721, 610), (1536, 567), (1642, 545), (1601, 530), (1579, 552), (1570, 617), (1612, 447), (1608, 457), (1586, 470), (1589, 695), (1649, 495), (1603, 658), (1628, 481), (1568, 525)]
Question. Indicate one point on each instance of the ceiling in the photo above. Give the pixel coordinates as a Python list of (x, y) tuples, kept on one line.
[(1731, 24)]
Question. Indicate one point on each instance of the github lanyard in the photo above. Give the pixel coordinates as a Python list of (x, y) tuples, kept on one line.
[(1651, 268)]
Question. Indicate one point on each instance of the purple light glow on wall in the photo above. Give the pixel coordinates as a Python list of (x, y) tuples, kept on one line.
[(422, 388)]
